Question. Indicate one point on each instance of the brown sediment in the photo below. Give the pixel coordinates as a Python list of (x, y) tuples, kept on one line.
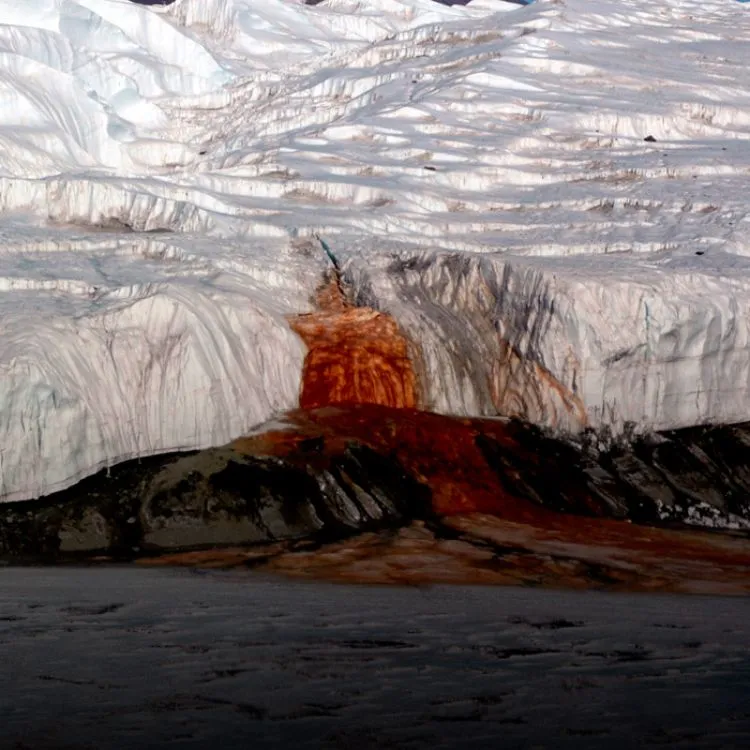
[(500, 535), (524, 389), (220, 558), (537, 557), (440, 451), (356, 355), (487, 550)]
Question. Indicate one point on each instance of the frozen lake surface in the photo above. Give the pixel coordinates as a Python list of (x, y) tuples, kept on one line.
[(123, 657)]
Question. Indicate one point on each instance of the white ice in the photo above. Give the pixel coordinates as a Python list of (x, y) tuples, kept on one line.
[(480, 172)]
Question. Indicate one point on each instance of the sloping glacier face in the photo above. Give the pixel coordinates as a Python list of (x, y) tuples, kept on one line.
[(652, 344), (115, 347), (549, 200)]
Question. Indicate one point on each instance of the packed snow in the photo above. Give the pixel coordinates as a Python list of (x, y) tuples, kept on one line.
[(550, 200)]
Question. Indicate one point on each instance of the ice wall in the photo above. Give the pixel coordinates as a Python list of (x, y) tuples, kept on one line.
[(114, 347), (549, 200), (572, 343)]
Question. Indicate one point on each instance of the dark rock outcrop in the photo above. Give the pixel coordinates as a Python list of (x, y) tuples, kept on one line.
[(369, 492), (213, 497)]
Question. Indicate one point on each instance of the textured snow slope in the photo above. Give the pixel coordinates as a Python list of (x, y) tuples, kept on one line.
[(480, 172)]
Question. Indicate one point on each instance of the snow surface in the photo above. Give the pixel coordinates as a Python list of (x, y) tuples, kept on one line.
[(127, 658), (480, 172)]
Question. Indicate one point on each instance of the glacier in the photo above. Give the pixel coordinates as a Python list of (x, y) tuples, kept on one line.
[(549, 200)]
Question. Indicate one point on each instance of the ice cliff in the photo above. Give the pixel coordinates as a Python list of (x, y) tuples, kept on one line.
[(549, 203)]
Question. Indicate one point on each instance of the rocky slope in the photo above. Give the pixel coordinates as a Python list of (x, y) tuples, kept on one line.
[(372, 493)]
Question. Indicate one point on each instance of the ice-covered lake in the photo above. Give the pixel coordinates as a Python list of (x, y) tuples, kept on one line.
[(123, 657)]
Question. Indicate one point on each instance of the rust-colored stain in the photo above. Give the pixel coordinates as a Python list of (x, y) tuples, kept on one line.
[(524, 389), (356, 355), (550, 548), (614, 556), (437, 450)]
